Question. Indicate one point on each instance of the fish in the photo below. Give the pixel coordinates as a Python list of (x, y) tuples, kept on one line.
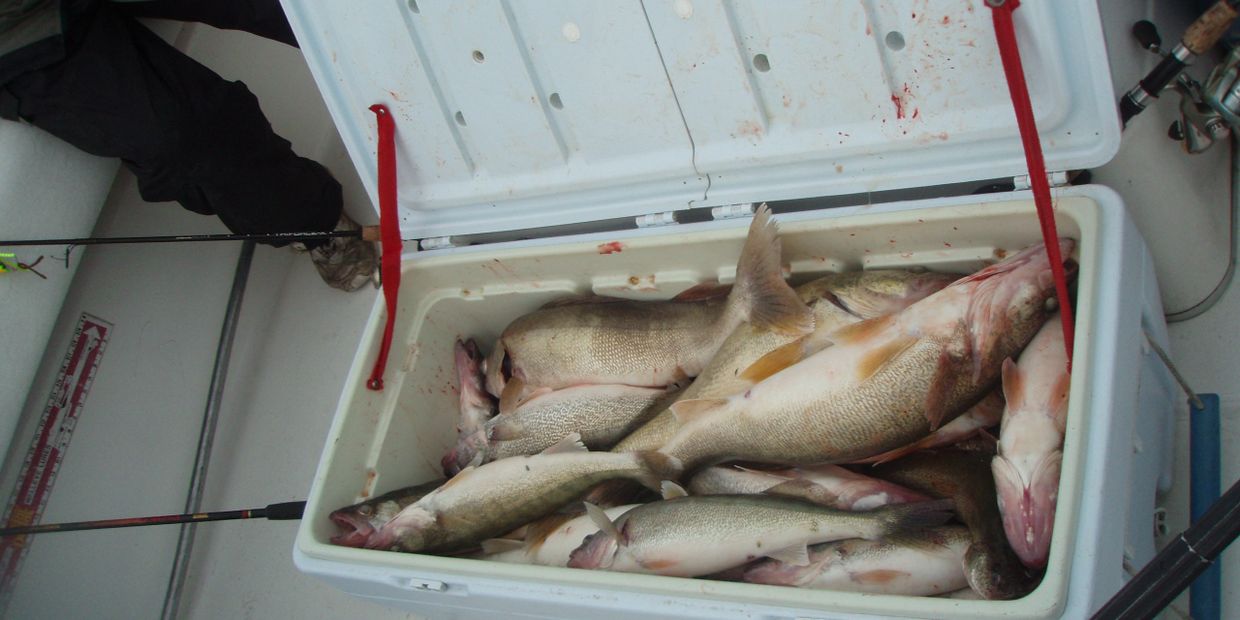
[(549, 541), (976, 419), (359, 521), (991, 567), (1027, 467), (601, 414), (828, 485), (644, 343), (883, 383), (477, 407), (931, 564), (690, 536), (485, 501), (836, 300)]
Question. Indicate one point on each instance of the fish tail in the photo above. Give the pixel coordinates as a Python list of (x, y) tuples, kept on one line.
[(902, 522), (657, 467), (760, 292)]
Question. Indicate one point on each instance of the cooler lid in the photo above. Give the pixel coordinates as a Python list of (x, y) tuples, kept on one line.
[(515, 115)]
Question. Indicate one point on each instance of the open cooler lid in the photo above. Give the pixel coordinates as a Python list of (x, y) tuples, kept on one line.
[(516, 115)]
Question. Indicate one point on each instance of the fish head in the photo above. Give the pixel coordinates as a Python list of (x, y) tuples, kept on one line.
[(359, 521), (469, 368), (463, 453), (995, 573), (883, 292), (355, 527), (1008, 302), (776, 573), (410, 530), (598, 550), (1028, 508)]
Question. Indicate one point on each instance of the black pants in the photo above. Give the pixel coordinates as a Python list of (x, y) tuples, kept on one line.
[(187, 134)]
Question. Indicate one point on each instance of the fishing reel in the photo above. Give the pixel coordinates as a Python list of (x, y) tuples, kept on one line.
[(1208, 112)]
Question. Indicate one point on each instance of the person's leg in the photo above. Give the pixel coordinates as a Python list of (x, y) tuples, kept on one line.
[(186, 133), (264, 18)]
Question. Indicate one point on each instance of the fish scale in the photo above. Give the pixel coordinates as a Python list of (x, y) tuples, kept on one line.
[(601, 414)]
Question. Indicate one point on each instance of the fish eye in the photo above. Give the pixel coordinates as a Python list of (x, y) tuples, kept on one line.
[(366, 510), (1051, 304)]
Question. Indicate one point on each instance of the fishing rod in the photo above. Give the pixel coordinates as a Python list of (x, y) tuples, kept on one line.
[(285, 511), (367, 233), (1175, 567)]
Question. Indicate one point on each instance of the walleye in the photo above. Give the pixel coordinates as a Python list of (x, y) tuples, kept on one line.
[(826, 485), (601, 414), (1031, 443), (550, 541), (932, 564), (985, 414), (991, 567), (359, 521), (488, 500), (691, 536), (641, 343), (476, 407), (883, 383), (836, 300)]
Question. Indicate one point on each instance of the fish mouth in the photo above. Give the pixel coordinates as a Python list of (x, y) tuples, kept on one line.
[(598, 550), (354, 532)]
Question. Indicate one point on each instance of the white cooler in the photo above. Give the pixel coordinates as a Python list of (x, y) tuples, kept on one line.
[(556, 147)]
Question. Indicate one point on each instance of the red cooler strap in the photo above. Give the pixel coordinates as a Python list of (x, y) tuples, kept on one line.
[(1010, 53), (389, 235)]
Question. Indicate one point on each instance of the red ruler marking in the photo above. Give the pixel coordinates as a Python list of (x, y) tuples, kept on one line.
[(51, 441)]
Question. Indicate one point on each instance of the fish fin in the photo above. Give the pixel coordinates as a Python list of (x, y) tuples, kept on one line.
[(504, 428), (535, 393), (903, 518), (657, 469), (603, 522), (1013, 386), (806, 490), (775, 361), (1058, 405), (671, 490), (941, 388), (581, 300), (776, 473), (615, 492), (862, 330), (796, 555), (703, 291), (537, 532), (569, 444), (760, 289), (891, 455), (492, 546), (479, 457), (687, 411), (513, 394), (878, 576), (878, 359)]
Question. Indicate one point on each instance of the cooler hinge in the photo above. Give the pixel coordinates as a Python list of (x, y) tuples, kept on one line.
[(438, 243), (733, 211), (651, 220), (1056, 179)]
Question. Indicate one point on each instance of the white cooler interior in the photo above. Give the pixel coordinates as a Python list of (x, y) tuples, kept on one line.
[(385, 440)]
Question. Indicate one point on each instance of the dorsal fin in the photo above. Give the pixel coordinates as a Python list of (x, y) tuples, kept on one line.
[(569, 444), (861, 331), (775, 361), (687, 411), (492, 546), (796, 555), (671, 490), (602, 521)]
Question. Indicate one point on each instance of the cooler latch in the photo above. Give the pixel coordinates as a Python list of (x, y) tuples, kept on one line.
[(1056, 179)]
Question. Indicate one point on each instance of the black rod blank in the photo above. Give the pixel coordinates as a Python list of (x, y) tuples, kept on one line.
[(274, 512)]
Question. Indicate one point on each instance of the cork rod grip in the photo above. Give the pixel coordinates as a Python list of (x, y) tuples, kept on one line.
[(1206, 31)]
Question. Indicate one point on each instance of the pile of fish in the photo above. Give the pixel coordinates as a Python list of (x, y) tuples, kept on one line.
[(836, 435)]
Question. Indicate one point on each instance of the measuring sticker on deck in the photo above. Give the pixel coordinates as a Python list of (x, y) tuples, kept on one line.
[(51, 440)]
